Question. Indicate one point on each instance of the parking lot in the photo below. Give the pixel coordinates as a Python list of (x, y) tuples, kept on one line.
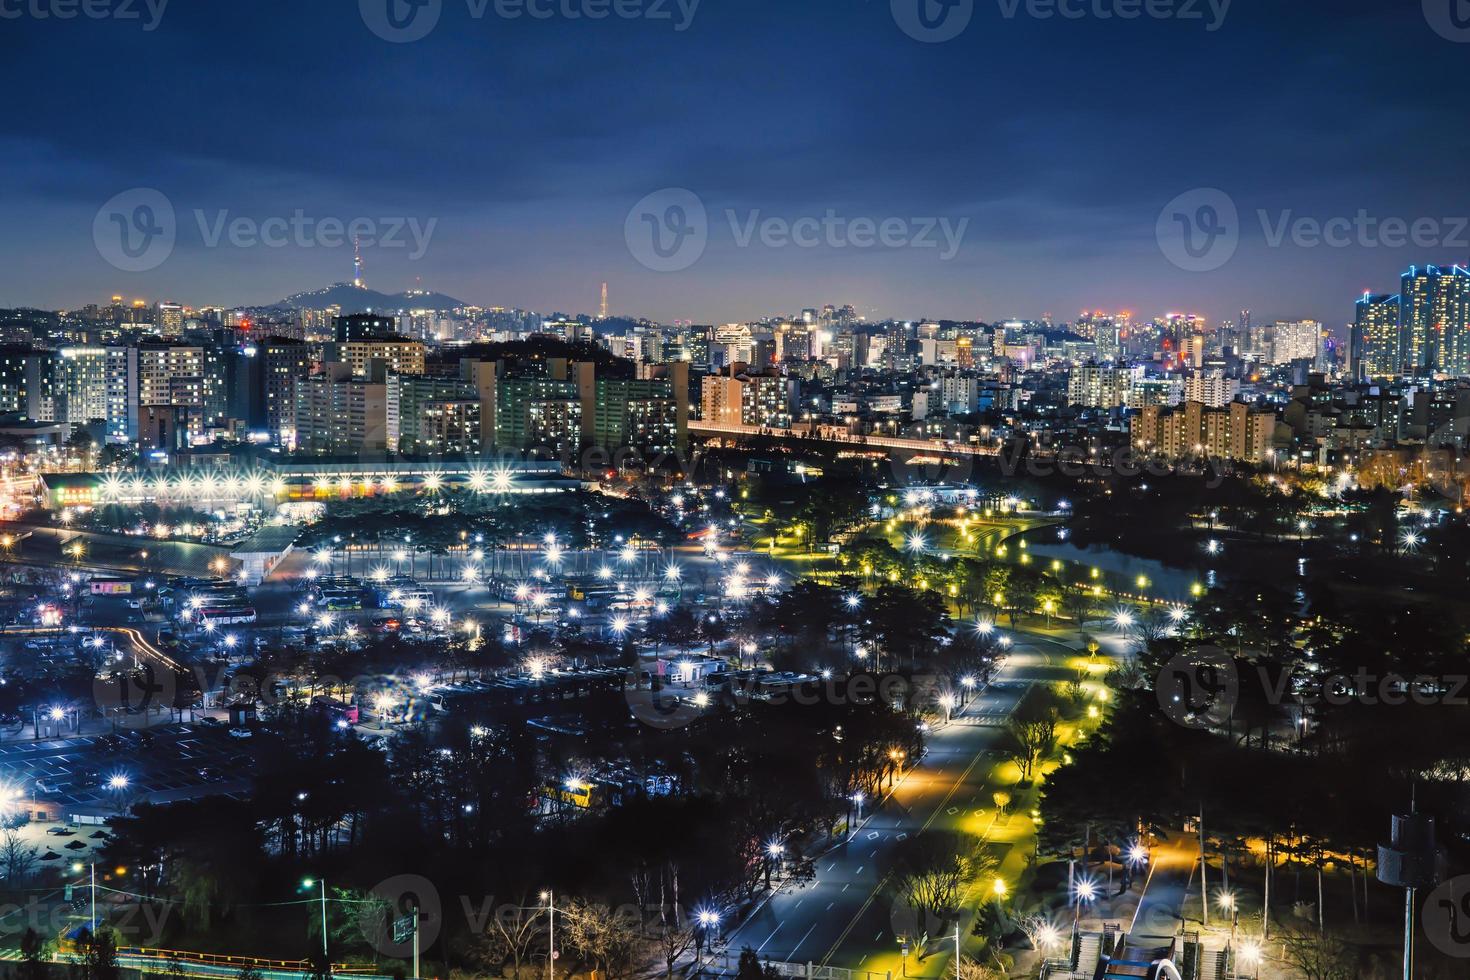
[(168, 762)]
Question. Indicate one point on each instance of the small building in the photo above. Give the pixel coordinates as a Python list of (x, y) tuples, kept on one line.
[(260, 553)]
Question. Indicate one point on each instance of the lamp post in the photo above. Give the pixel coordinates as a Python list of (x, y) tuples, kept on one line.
[(858, 799), (1085, 893), (1227, 905), (774, 850), (92, 868), (549, 897), (322, 884), (708, 919)]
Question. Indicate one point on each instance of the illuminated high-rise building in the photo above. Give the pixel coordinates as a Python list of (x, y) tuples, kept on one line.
[(1435, 320), (1296, 340), (1376, 342)]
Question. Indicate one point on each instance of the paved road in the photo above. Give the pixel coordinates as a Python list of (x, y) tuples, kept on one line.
[(844, 918)]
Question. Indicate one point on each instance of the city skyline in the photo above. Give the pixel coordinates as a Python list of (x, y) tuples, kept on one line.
[(526, 188)]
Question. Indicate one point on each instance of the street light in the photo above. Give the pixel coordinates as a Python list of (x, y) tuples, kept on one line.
[(322, 882), (1250, 956), (947, 702), (1228, 906), (708, 919), (549, 897)]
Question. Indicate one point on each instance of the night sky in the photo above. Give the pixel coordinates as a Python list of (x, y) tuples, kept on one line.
[(528, 142)]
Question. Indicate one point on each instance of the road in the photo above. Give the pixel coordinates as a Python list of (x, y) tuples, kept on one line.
[(844, 918)]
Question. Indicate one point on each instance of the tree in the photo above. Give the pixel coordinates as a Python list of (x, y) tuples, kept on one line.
[(510, 933), (97, 954), (604, 939), (1033, 731), (674, 941), (750, 967), (1314, 956), (930, 872), (17, 858), (906, 622), (33, 956)]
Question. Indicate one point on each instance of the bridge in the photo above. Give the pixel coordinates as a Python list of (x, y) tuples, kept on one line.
[(838, 436)]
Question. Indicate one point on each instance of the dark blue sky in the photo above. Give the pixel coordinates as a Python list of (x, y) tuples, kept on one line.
[(528, 141)]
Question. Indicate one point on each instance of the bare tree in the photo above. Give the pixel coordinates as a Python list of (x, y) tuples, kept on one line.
[(17, 858), (676, 939), (1315, 956), (603, 938), (510, 935), (930, 874)]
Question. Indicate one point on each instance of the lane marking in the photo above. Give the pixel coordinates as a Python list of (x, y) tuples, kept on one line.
[(802, 940)]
